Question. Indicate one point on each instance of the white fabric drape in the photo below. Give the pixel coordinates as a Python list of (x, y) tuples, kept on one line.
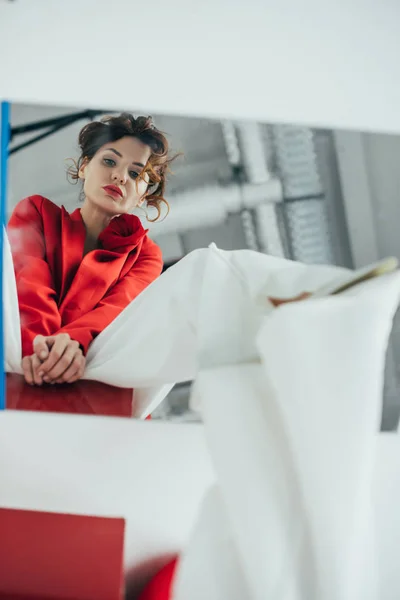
[(291, 401), (292, 421)]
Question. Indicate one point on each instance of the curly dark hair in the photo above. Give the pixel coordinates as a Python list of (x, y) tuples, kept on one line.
[(110, 129)]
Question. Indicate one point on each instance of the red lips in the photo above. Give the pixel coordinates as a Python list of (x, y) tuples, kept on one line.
[(113, 190)]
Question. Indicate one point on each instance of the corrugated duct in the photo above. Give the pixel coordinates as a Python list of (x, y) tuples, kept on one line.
[(304, 204)]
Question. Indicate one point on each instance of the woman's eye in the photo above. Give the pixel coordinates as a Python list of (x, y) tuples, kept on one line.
[(109, 162), (134, 175)]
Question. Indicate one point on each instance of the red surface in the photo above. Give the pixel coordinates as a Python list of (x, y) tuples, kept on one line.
[(45, 556), (82, 397), (62, 291), (160, 587)]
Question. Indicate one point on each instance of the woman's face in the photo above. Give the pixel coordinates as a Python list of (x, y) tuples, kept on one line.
[(110, 178)]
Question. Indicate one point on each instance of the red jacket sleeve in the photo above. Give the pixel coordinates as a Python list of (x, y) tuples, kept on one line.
[(145, 270), (37, 297)]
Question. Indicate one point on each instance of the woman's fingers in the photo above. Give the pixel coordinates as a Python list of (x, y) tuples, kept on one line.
[(36, 368), (278, 301), (58, 344), (40, 347), (65, 356), (65, 361), (74, 371), (304, 296), (77, 376), (30, 368), (27, 369)]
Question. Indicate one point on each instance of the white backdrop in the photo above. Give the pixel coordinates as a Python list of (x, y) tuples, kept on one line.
[(333, 64)]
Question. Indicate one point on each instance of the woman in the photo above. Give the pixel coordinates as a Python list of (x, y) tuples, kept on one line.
[(76, 272)]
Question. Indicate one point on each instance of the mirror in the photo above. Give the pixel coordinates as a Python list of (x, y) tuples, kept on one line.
[(311, 195)]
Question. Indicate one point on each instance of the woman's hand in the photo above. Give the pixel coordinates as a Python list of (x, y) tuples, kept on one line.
[(30, 368), (278, 301), (61, 359)]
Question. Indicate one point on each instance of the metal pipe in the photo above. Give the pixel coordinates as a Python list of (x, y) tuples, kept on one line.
[(256, 169), (53, 121), (210, 206)]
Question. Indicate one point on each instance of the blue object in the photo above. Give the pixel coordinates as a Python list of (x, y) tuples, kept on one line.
[(5, 134)]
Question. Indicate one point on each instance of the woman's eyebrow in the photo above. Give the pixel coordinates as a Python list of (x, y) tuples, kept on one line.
[(139, 164)]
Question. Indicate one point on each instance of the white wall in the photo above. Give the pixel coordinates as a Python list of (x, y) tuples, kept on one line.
[(331, 64), (369, 167), (383, 165)]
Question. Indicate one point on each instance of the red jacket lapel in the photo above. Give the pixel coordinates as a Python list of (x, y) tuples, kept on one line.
[(86, 280), (73, 235)]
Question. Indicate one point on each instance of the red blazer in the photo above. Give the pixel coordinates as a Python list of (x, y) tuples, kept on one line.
[(62, 291)]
